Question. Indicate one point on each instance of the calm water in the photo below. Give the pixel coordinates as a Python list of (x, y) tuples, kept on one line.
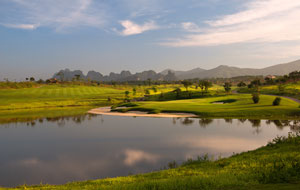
[(66, 149)]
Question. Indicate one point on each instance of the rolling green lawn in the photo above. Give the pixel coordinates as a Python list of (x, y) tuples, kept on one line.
[(27, 104), (290, 89), (56, 96), (66, 99), (70, 95), (241, 105), (275, 166)]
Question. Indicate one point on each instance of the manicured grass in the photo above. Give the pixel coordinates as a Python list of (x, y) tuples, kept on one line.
[(56, 96), (275, 166), (290, 89), (238, 106), (30, 103), (70, 95)]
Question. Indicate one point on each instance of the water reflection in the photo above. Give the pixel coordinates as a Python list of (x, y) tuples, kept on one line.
[(294, 125), (62, 149), (205, 122)]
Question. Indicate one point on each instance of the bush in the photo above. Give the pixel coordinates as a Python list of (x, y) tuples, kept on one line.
[(255, 98), (277, 101)]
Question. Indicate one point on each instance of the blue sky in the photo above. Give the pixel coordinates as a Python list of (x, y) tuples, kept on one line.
[(37, 38)]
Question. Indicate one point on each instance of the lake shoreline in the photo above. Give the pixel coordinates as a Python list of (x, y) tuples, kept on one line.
[(107, 111)]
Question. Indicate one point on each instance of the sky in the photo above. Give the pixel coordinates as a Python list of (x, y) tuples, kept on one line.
[(38, 38)]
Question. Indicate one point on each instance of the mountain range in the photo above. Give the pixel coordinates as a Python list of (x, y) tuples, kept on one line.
[(222, 71)]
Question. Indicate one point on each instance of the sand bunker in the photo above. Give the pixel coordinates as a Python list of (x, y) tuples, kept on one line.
[(107, 111)]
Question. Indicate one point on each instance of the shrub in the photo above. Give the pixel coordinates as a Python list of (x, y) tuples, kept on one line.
[(227, 86), (277, 101), (255, 98), (281, 88), (241, 84), (147, 91)]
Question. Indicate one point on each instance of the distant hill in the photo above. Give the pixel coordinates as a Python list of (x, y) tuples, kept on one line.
[(224, 71), (68, 75), (221, 71)]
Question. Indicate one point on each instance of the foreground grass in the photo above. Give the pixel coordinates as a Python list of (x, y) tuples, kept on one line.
[(275, 166), (239, 106)]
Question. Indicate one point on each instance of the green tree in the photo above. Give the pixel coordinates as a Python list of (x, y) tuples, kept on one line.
[(134, 91), (147, 91), (227, 86), (255, 85), (255, 98), (202, 86), (241, 84), (186, 84), (127, 94), (207, 85), (154, 89), (277, 101), (281, 88), (178, 92)]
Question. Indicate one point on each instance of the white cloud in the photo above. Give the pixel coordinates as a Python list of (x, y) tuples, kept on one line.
[(55, 14), (190, 27), (21, 26), (257, 9), (133, 157), (263, 21), (131, 28)]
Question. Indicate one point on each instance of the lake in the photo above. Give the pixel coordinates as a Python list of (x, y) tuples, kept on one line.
[(60, 150)]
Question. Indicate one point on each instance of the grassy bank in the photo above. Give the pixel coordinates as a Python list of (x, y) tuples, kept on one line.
[(275, 166), (238, 106), (21, 116)]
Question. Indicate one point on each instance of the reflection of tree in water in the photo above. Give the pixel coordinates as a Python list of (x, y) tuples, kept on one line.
[(205, 122), (61, 121), (256, 123), (242, 120), (32, 123), (174, 120), (228, 120), (187, 121), (295, 126), (280, 124)]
